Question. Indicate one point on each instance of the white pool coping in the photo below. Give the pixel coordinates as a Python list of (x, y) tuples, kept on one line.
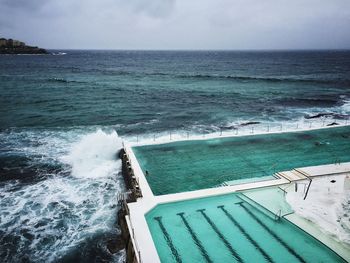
[(137, 223)]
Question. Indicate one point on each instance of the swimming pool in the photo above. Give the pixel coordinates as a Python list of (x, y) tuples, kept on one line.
[(230, 228), (191, 165)]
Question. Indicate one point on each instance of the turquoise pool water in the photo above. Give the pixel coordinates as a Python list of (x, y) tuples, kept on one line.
[(228, 228), (192, 165)]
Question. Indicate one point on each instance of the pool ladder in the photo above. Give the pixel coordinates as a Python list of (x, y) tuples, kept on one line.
[(278, 215), (307, 176), (275, 216)]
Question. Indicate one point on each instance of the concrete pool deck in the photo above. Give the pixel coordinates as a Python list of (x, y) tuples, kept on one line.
[(139, 231)]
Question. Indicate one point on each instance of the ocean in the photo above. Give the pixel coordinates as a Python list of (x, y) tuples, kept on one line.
[(63, 118)]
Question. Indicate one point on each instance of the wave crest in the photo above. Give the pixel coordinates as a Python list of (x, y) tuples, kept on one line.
[(62, 80), (95, 155)]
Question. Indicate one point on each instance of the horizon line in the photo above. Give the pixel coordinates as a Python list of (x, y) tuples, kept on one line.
[(217, 50)]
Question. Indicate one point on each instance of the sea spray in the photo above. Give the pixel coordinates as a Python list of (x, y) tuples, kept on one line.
[(66, 215), (95, 155), (345, 108)]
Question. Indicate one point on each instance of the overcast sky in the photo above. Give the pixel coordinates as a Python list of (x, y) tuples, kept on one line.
[(178, 24)]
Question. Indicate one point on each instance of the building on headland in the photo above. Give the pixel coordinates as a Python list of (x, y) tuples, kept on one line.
[(11, 43), (16, 43), (13, 46), (3, 42)]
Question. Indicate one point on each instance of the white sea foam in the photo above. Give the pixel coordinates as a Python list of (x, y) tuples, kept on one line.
[(95, 155), (345, 108), (45, 220), (143, 123)]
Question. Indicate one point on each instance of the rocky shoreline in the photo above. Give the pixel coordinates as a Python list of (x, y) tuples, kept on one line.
[(22, 50)]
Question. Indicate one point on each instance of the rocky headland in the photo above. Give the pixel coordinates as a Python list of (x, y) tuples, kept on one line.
[(12, 46)]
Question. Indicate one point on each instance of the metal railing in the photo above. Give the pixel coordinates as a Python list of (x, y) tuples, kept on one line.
[(136, 248), (239, 130), (123, 201)]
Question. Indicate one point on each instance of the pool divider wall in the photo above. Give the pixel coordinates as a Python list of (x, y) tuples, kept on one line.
[(130, 179), (134, 192), (129, 248), (134, 179)]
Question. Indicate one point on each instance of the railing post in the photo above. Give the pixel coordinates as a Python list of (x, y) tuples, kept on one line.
[(268, 127), (154, 137), (310, 125), (308, 188), (188, 135), (137, 138), (236, 131), (170, 136), (220, 131)]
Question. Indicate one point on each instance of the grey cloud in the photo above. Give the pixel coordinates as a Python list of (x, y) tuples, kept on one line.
[(155, 8), (178, 24), (29, 5)]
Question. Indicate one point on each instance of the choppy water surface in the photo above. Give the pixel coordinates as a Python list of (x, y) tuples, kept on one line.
[(58, 195), (60, 115)]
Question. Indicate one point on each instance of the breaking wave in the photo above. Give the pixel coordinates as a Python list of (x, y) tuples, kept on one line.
[(95, 155), (63, 80), (69, 214), (345, 108)]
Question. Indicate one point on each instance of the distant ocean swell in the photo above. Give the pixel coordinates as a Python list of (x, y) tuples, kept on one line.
[(264, 79), (310, 102), (43, 80), (64, 80), (277, 79)]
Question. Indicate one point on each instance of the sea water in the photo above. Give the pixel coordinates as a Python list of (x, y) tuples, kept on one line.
[(62, 117)]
